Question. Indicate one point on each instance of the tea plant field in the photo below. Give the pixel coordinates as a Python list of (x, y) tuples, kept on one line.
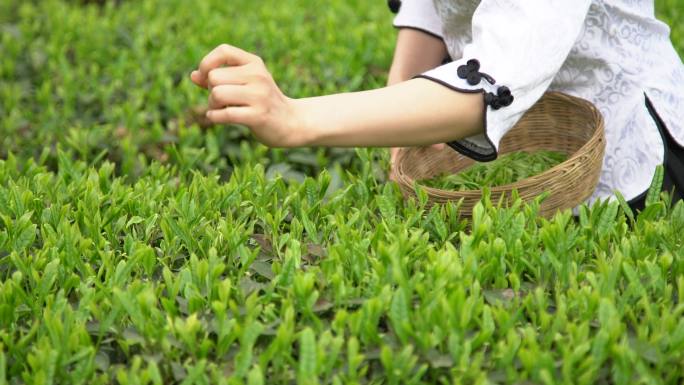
[(140, 245)]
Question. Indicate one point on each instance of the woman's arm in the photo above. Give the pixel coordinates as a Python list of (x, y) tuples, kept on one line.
[(416, 112), (415, 53)]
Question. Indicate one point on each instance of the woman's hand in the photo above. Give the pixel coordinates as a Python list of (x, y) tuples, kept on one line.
[(242, 91)]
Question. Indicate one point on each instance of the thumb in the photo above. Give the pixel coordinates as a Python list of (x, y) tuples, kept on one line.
[(197, 78)]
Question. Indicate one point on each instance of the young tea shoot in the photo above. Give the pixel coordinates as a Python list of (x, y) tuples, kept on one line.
[(506, 169)]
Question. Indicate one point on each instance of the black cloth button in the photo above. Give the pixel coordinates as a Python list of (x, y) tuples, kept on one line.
[(502, 98), (462, 72), (394, 5), (473, 65), (505, 96), (474, 78), (503, 91), (471, 72)]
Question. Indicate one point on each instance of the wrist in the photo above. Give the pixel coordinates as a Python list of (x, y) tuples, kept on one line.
[(303, 131)]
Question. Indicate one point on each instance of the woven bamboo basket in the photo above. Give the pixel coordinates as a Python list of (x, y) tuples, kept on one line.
[(557, 122)]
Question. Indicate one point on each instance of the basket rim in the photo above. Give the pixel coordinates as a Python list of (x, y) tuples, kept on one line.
[(585, 148)]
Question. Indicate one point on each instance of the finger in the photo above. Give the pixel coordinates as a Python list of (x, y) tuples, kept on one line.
[(228, 75), (228, 95), (393, 158), (195, 77), (231, 115), (394, 152), (438, 146), (222, 55)]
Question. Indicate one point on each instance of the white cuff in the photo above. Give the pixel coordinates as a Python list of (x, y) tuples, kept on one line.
[(467, 76)]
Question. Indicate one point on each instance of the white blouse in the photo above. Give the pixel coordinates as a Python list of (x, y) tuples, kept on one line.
[(612, 53)]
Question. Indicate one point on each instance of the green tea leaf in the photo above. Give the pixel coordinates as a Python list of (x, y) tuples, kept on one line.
[(306, 371), (508, 168), (656, 186)]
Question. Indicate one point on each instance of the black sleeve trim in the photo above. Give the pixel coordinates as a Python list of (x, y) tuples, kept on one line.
[(420, 30), (463, 146), (639, 201)]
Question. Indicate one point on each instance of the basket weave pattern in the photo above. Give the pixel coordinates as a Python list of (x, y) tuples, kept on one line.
[(557, 122)]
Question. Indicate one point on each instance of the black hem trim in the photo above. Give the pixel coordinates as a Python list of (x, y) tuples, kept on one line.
[(460, 148), (420, 30), (637, 199), (456, 145), (658, 122)]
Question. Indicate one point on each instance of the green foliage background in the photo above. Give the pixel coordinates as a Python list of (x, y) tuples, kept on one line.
[(112, 82), (138, 245)]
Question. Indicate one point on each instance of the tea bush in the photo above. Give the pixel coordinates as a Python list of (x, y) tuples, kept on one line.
[(139, 246), (183, 278)]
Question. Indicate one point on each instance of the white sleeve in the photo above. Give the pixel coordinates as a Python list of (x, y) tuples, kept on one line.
[(417, 14), (517, 48)]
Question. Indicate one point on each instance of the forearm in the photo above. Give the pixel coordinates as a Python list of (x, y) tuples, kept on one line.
[(412, 113)]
